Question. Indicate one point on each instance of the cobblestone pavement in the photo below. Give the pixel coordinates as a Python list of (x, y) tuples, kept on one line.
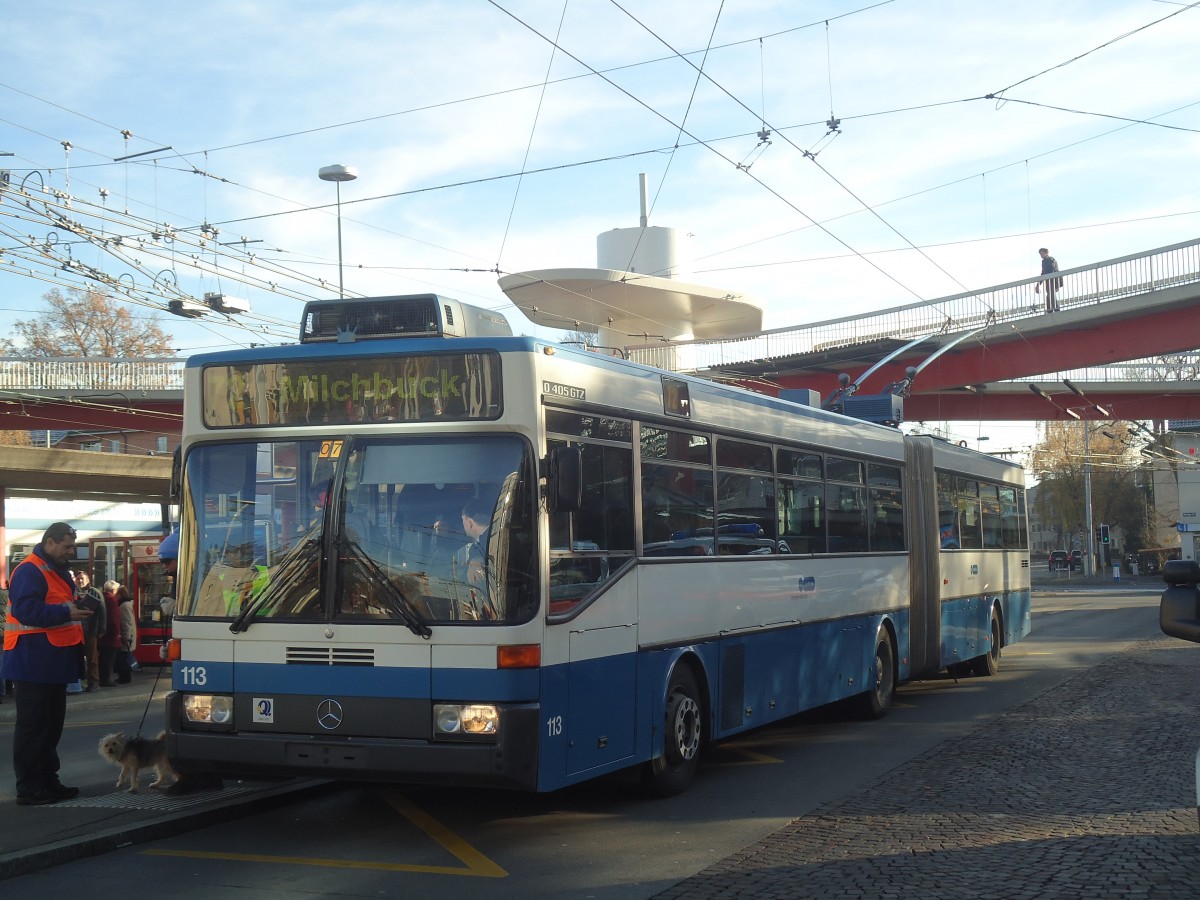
[(1087, 791)]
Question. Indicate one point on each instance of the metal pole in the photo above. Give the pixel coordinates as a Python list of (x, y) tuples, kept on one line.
[(337, 174), (1090, 567), (341, 282)]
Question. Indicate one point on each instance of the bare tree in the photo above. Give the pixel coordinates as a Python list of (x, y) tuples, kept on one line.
[(1060, 465), (583, 339), (87, 323), (15, 439), (1174, 367)]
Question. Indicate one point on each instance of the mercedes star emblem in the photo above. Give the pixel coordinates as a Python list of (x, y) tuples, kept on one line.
[(329, 714)]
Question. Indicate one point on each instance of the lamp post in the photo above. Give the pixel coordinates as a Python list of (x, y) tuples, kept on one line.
[(1087, 472), (1090, 565), (337, 174), (1087, 498)]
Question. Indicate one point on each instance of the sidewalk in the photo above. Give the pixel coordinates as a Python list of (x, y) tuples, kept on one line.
[(1086, 791), (1043, 579), (102, 818)]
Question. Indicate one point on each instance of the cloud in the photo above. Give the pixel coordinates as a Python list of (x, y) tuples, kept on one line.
[(440, 105)]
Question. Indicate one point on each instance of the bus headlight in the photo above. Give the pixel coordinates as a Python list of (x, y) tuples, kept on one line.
[(466, 721), (212, 710)]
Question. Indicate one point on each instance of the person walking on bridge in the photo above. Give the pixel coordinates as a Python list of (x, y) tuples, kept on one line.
[(41, 634), (1049, 267)]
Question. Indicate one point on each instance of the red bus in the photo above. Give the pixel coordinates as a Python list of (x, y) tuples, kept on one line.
[(133, 561)]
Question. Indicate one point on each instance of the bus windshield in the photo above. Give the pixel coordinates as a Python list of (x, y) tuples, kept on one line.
[(407, 531)]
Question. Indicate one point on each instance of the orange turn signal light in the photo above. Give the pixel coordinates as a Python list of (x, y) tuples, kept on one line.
[(174, 650), (519, 656)]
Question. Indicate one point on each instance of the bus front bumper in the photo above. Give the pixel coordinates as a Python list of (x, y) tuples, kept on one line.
[(511, 762)]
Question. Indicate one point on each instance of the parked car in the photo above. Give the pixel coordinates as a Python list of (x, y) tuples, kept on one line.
[(1059, 560)]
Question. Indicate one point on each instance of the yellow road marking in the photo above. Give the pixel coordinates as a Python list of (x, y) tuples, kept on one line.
[(753, 758), (475, 863)]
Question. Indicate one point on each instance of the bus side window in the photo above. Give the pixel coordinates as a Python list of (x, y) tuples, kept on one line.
[(801, 525), (587, 545), (989, 503), (847, 519), (969, 520), (948, 538)]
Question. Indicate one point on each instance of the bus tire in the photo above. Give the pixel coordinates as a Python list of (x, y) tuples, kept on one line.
[(874, 702), (989, 664), (683, 734)]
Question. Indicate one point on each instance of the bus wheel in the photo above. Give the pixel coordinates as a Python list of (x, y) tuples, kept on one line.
[(873, 703), (989, 663), (670, 773)]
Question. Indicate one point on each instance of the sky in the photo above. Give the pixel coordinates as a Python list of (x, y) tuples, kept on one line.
[(498, 137)]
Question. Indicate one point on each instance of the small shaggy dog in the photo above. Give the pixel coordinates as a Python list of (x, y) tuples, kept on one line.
[(135, 754)]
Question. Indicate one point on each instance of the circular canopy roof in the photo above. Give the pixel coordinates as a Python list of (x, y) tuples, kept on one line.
[(630, 303)]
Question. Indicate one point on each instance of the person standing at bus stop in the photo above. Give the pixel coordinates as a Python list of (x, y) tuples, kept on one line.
[(123, 664), (110, 638), (3, 615), (41, 638), (87, 597)]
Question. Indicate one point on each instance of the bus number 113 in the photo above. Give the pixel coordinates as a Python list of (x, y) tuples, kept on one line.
[(194, 675)]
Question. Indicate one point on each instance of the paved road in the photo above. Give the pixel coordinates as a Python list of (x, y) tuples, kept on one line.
[(1069, 775), (1083, 792)]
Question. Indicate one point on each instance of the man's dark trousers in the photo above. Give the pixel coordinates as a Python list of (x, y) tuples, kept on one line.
[(41, 713)]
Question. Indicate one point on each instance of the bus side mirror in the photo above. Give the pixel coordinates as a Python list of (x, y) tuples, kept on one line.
[(564, 479), (1179, 607), (176, 473)]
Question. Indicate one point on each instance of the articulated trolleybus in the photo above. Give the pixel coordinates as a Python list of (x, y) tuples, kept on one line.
[(416, 548)]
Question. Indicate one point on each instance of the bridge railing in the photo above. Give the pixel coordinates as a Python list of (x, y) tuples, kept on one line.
[(1167, 368), (1114, 279), (1129, 276), (90, 374)]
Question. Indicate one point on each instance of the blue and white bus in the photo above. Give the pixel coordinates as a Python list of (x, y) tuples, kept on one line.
[(416, 548)]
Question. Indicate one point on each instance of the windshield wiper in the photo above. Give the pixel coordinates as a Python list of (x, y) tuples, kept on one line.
[(293, 564), (400, 604)]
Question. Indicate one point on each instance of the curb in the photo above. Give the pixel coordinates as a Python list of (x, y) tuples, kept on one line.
[(169, 824)]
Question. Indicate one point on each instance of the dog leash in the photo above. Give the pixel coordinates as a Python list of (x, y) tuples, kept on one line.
[(145, 712)]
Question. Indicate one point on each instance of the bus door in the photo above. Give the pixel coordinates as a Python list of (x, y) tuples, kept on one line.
[(591, 549)]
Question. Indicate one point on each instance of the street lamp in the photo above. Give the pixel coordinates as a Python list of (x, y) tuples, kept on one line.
[(337, 174), (1087, 474), (1090, 565)]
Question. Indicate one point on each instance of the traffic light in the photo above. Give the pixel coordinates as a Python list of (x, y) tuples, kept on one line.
[(1099, 534), (1104, 534)]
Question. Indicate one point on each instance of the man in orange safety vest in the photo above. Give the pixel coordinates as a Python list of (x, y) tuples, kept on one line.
[(41, 656)]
